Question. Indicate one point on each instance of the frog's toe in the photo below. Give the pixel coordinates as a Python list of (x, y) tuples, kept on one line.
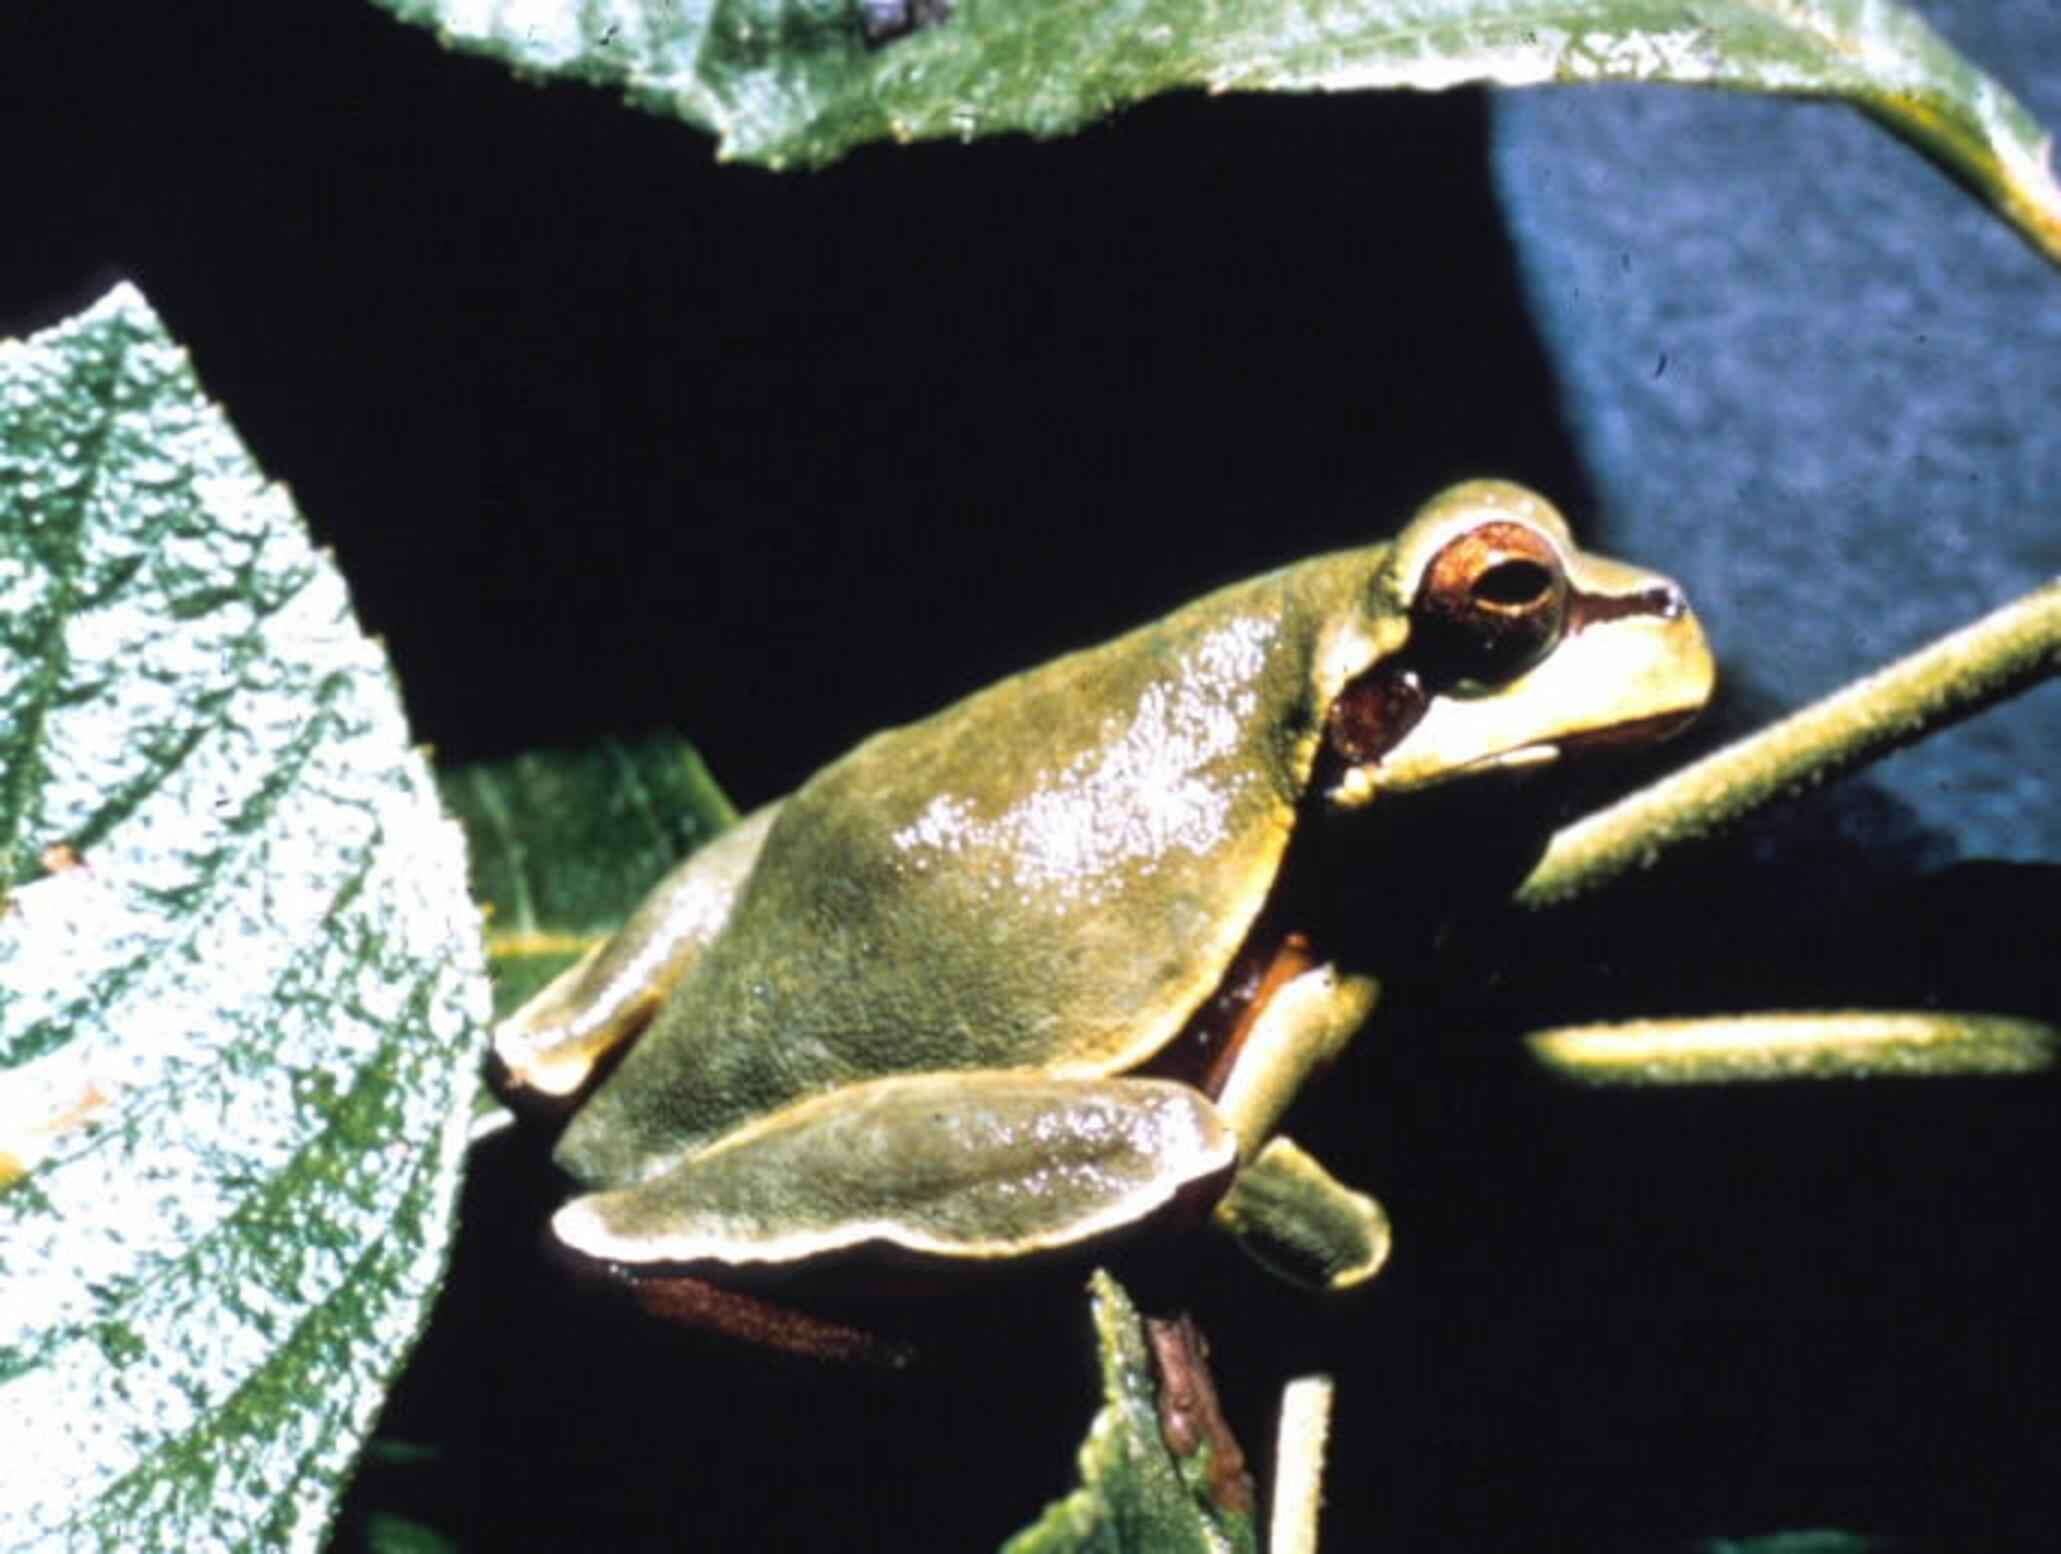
[(973, 1165), (1299, 1221)]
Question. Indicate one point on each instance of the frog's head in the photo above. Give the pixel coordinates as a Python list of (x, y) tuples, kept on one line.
[(1497, 645)]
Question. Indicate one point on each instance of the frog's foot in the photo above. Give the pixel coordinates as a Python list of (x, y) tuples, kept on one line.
[(554, 1045), (1299, 1221), (979, 1165)]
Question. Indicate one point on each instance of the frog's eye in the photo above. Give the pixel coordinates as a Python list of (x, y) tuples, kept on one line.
[(1492, 603)]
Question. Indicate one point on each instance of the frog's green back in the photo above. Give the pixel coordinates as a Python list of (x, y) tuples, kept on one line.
[(1050, 874)]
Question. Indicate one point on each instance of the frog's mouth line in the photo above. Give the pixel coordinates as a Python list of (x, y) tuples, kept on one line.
[(1638, 731), (1517, 762), (1530, 757)]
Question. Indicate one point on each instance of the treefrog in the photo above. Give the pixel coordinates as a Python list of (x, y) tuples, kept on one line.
[(1050, 963)]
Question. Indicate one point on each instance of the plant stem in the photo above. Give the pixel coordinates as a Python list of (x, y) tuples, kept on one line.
[(1996, 657)]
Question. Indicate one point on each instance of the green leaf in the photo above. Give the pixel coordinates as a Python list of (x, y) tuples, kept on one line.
[(1135, 1497), (1815, 1542), (385, 1534), (240, 982), (798, 81), (564, 845)]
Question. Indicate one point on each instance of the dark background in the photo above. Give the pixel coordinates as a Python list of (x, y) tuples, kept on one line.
[(610, 440)]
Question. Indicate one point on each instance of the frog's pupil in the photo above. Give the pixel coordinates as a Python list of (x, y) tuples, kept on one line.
[(1513, 584)]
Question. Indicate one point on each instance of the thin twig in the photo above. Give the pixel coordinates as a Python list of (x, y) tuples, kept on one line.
[(1299, 1465), (1729, 1049)]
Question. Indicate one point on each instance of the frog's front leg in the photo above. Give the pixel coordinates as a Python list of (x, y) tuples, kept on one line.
[(980, 1165), (1297, 1220), (551, 1045), (1284, 1208)]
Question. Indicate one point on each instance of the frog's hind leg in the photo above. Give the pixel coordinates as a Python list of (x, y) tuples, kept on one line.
[(981, 1165), (553, 1045)]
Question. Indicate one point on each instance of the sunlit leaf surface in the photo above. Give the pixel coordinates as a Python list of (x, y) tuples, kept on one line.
[(240, 982)]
